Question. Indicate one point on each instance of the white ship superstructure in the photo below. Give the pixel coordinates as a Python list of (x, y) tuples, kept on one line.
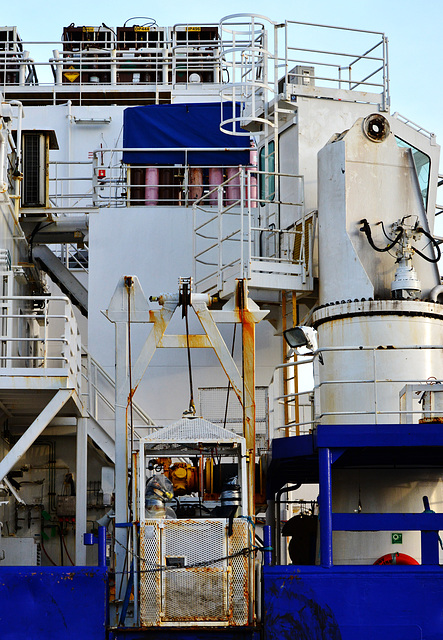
[(173, 201)]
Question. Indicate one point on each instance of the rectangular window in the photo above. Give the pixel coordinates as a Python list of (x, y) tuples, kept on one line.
[(266, 162), (422, 164)]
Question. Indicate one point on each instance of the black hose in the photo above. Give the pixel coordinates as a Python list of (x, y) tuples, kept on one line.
[(367, 230), (280, 492), (434, 242)]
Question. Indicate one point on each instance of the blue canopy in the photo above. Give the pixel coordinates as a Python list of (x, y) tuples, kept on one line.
[(181, 126)]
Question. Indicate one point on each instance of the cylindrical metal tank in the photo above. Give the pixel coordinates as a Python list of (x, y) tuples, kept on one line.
[(215, 180), (151, 186), (195, 183), (233, 189), (371, 349), (377, 346)]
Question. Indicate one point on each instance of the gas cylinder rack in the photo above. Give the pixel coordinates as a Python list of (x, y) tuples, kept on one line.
[(87, 54), (142, 52), (15, 66), (196, 51)]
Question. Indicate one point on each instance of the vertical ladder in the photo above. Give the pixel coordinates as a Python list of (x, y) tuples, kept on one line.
[(290, 374)]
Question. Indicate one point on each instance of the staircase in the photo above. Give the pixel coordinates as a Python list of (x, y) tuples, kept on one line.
[(62, 276), (98, 391)]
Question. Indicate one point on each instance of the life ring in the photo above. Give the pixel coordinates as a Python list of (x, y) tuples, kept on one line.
[(396, 558)]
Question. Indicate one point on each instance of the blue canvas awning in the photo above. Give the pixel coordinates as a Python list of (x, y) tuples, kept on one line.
[(181, 126)]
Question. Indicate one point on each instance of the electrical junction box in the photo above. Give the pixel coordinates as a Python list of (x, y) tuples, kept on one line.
[(302, 75), (20, 552), (66, 506)]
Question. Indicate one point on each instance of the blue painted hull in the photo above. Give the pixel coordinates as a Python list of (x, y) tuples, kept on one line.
[(53, 603), (353, 602)]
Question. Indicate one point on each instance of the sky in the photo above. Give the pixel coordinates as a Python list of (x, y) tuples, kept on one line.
[(414, 30)]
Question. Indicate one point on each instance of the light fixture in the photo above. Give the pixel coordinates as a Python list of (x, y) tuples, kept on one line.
[(93, 121), (303, 336)]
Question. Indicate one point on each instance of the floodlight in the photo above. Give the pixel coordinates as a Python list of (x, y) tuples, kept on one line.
[(301, 337)]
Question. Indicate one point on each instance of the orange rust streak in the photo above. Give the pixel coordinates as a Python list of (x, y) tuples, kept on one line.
[(197, 341), (248, 338)]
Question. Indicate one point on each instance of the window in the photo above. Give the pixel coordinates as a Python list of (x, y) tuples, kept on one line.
[(422, 164), (267, 182)]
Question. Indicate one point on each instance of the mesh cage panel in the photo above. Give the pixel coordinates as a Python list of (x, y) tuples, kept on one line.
[(240, 587), (195, 540), (212, 402), (192, 430), (150, 581), (200, 593), (217, 592), (196, 594)]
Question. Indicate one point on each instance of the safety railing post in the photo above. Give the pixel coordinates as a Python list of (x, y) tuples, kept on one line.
[(219, 238), (243, 275), (113, 67), (45, 334), (95, 180)]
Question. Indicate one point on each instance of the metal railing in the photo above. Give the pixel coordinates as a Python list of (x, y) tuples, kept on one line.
[(108, 181), (99, 395), (9, 182), (39, 332), (178, 57), (370, 391), (264, 58), (70, 184), (73, 257), (343, 67), (250, 53), (413, 125), (243, 235), (120, 184)]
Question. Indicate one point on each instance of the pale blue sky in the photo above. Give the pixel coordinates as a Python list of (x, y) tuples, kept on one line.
[(414, 30)]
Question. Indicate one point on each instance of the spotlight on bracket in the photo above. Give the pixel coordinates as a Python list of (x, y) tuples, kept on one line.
[(303, 337)]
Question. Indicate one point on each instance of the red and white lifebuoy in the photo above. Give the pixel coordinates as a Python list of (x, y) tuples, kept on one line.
[(396, 558)]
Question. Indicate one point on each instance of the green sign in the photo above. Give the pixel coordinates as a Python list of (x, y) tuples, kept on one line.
[(397, 538)]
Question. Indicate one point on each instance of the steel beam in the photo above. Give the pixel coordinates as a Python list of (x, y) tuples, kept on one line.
[(34, 430), (160, 320), (101, 437), (324, 461), (220, 348), (121, 452), (248, 359), (81, 490)]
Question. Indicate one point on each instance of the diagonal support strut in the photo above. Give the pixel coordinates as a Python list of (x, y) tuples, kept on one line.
[(32, 432)]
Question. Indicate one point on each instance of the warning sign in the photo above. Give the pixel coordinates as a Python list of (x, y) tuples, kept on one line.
[(71, 75)]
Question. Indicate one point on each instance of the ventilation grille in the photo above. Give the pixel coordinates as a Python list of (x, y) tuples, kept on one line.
[(301, 252), (212, 402), (32, 171)]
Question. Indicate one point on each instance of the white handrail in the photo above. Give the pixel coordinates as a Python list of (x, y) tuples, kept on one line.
[(53, 340), (280, 399)]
